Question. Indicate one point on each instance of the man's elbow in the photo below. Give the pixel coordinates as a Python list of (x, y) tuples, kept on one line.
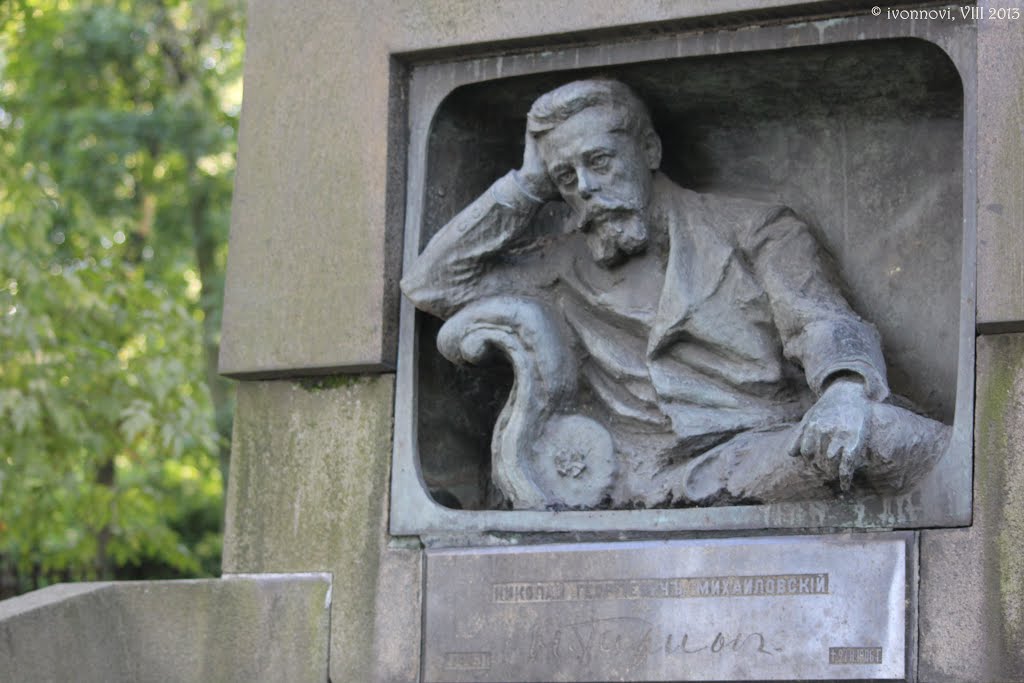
[(414, 286), (424, 293)]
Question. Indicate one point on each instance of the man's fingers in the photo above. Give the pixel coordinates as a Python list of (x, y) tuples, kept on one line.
[(836, 447), (808, 441), (846, 467), (853, 457), (793, 450), (834, 442), (823, 441), (534, 173), (860, 442)]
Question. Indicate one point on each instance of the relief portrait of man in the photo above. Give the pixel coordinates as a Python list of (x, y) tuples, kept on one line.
[(670, 348)]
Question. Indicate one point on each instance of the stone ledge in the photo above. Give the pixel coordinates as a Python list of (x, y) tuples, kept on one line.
[(972, 579), (251, 627)]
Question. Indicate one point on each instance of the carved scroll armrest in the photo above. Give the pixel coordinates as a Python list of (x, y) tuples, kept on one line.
[(543, 454)]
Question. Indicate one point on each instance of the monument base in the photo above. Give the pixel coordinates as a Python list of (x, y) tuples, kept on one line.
[(780, 608)]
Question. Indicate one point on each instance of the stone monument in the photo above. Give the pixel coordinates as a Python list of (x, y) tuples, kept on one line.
[(750, 413)]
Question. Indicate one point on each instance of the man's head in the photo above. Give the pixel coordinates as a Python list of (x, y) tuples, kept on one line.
[(600, 150)]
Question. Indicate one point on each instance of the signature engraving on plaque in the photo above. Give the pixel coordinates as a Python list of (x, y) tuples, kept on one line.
[(467, 661), (855, 655), (644, 589), (636, 640)]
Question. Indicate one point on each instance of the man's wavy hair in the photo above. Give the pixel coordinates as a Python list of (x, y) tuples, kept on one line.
[(557, 106)]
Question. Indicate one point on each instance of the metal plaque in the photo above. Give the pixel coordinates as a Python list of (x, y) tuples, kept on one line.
[(790, 608)]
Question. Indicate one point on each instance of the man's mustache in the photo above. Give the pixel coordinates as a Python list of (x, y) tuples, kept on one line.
[(599, 207)]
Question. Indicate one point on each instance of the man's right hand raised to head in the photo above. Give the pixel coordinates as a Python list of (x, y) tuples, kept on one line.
[(533, 178)]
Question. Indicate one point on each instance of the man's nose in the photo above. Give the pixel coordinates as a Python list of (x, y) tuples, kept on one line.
[(587, 184)]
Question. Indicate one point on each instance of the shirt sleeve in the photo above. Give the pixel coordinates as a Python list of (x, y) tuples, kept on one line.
[(449, 273), (819, 329)]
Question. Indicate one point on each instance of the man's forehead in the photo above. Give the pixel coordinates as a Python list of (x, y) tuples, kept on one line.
[(602, 117), (590, 128)]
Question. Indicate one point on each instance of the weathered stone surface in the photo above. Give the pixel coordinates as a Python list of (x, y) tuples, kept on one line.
[(244, 629), (972, 579), (1000, 180), (396, 641), (316, 218), (308, 492)]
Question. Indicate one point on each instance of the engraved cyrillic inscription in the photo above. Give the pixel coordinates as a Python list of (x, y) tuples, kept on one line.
[(716, 610), (855, 655), (677, 587), (638, 642), (467, 661)]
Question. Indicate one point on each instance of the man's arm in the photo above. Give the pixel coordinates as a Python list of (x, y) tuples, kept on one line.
[(450, 272), (818, 328), (841, 354)]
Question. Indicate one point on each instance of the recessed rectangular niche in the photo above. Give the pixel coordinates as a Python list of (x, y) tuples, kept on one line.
[(859, 130)]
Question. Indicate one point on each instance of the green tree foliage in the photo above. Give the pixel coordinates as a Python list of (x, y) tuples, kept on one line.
[(117, 128)]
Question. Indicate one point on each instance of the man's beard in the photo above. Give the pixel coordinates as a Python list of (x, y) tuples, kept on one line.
[(614, 229)]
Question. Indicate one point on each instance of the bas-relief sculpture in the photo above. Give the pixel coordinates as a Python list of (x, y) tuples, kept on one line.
[(670, 348)]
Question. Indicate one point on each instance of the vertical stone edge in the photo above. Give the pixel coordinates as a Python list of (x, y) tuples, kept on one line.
[(398, 624), (972, 579), (913, 613), (308, 493), (394, 205), (1000, 176)]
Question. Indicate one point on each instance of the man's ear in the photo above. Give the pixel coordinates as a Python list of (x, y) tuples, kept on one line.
[(651, 145)]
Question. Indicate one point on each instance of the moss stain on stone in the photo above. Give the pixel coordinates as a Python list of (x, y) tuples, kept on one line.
[(324, 382), (1010, 540), (315, 457), (1000, 473)]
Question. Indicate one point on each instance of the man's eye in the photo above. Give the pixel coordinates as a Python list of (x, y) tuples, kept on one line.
[(566, 178), (600, 162)]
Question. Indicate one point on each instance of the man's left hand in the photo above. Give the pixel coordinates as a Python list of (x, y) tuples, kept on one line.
[(834, 432)]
